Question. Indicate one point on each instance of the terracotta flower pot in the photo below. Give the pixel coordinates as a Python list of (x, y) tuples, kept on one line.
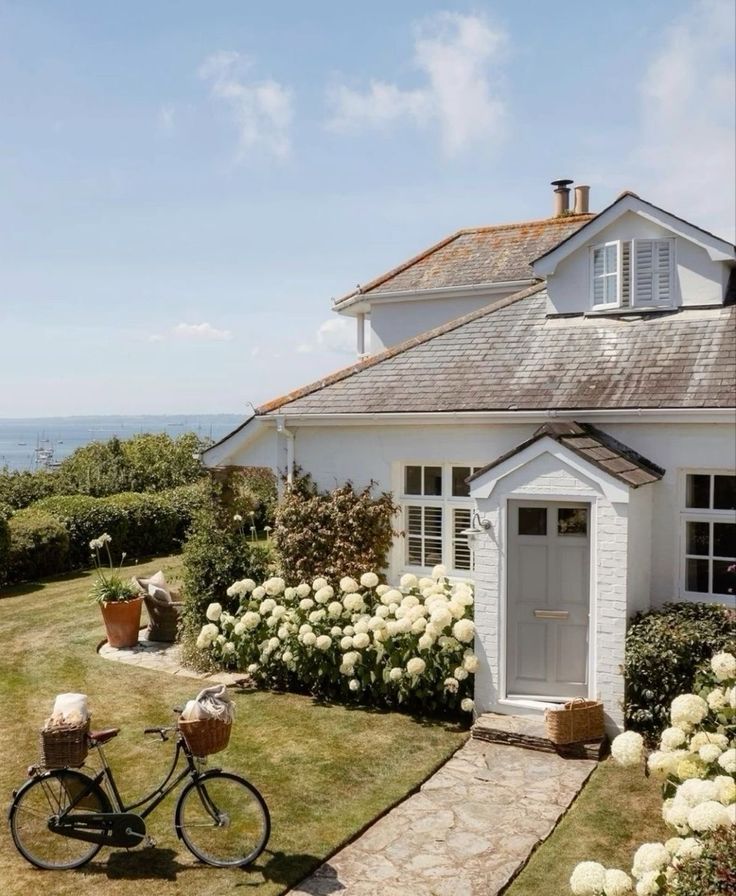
[(122, 621)]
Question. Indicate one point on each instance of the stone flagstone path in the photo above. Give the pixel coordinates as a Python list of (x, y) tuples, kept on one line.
[(466, 831), (162, 657)]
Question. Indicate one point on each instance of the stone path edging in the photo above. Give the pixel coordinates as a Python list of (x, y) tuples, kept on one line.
[(160, 656)]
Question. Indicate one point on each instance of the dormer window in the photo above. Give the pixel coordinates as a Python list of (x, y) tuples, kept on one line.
[(634, 274)]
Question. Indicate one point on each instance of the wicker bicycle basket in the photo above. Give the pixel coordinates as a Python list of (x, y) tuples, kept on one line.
[(65, 746), (206, 736), (577, 721)]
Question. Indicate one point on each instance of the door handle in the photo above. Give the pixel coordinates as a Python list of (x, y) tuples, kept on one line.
[(551, 614)]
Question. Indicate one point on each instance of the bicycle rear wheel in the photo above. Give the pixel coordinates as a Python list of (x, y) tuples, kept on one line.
[(40, 799), (223, 820)]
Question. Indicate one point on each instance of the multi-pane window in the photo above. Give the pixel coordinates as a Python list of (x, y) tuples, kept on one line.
[(709, 535), (636, 273), (437, 509)]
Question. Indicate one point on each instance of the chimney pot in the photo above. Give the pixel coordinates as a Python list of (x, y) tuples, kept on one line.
[(582, 199), (562, 197)]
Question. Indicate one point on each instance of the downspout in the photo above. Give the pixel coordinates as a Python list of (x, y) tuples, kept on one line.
[(282, 430)]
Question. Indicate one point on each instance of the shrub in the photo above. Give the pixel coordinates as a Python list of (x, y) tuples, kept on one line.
[(141, 524), (20, 488), (5, 514), (39, 545), (359, 642), (332, 533), (663, 651), (713, 873), (186, 501)]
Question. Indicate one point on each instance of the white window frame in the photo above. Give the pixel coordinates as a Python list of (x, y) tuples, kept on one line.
[(619, 275), (446, 502), (632, 276), (708, 515)]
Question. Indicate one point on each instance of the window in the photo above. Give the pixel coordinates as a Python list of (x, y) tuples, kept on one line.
[(636, 273), (709, 535), (437, 509)]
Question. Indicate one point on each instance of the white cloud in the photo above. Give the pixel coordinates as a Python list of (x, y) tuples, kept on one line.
[(203, 332), (335, 335), (261, 110), (688, 124), (455, 54)]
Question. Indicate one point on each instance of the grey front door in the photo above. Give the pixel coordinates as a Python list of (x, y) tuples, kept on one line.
[(548, 599)]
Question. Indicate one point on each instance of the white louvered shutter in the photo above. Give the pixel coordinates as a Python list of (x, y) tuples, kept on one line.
[(605, 274), (653, 277)]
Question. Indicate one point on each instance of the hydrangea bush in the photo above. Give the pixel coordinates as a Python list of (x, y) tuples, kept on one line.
[(362, 641), (696, 761)]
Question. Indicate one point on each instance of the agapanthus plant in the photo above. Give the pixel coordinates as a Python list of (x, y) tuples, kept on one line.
[(109, 586)]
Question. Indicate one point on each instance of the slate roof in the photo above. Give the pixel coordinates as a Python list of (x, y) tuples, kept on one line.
[(510, 356), (474, 256), (594, 446)]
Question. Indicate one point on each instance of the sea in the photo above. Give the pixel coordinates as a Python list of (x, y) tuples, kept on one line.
[(33, 443)]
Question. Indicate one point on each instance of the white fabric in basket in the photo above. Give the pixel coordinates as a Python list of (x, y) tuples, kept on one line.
[(211, 703), (70, 708)]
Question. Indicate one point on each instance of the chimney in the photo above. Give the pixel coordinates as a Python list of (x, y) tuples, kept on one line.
[(562, 197), (582, 196)]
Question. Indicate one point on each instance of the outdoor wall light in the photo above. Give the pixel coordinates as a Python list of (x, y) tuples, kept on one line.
[(478, 525)]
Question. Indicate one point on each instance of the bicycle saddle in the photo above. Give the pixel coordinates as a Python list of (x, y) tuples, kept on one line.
[(102, 737)]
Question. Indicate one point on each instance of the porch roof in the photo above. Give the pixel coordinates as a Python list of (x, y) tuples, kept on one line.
[(596, 447)]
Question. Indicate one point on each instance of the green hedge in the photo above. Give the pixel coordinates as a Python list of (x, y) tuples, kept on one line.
[(664, 649), (39, 545), (5, 514)]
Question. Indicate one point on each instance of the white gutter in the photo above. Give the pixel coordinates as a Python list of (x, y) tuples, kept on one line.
[(619, 415), (282, 430)]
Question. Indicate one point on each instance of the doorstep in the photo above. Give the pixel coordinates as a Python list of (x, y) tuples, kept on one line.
[(529, 732)]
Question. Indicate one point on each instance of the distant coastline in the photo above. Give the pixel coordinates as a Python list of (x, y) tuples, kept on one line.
[(27, 443)]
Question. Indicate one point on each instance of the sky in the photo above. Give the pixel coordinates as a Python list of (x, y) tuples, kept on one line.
[(185, 186)]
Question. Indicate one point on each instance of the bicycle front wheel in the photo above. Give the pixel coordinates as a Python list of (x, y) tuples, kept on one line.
[(44, 797), (223, 820)]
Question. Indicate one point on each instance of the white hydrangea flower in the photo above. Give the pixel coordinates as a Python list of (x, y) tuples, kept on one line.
[(303, 590), (382, 589), (214, 611), (319, 583), (707, 737), (251, 619), (227, 648), (674, 814), (587, 879), (239, 629), (727, 761), (259, 593), (617, 883), (354, 602), (731, 697), (323, 642), (627, 749), (687, 711), (460, 673), (419, 625), (382, 611), (694, 791), (274, 586), (672, 738), (306, 603), (346, 643), (324, 594), (451, 684), (648, 885), (416, 666), (716, 699), (352, 658), (439, 572), (309, 639), (334, 609), (408, 580), (723, 666), (709, 752), (649, 857), (376, 623), (392, 596), (425, 641), (336, 631), (361, 640), (348, 585), (253, 668), (396, 673), (464, 630), (369, 580), (267, 606), (708, 816), (467, 705), (726, 786), (316, 616), (354, 684), (207, 636), (287, 656)]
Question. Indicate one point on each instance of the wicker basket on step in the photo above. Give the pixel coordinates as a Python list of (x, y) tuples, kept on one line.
[(577, 721), (65, 746), (206, 736)]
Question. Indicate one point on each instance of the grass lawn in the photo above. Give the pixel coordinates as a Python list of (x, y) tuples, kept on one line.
[(618, 810), (325, 771)]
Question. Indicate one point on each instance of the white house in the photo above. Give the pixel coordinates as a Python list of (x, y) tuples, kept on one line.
[(584, 424)]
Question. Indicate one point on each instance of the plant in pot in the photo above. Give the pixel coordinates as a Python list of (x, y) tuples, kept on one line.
[(119, 600)]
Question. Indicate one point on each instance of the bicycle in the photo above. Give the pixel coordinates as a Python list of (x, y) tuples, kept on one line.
[(61, 818)]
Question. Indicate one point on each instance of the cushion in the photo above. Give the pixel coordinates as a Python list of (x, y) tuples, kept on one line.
[(160, 595)]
